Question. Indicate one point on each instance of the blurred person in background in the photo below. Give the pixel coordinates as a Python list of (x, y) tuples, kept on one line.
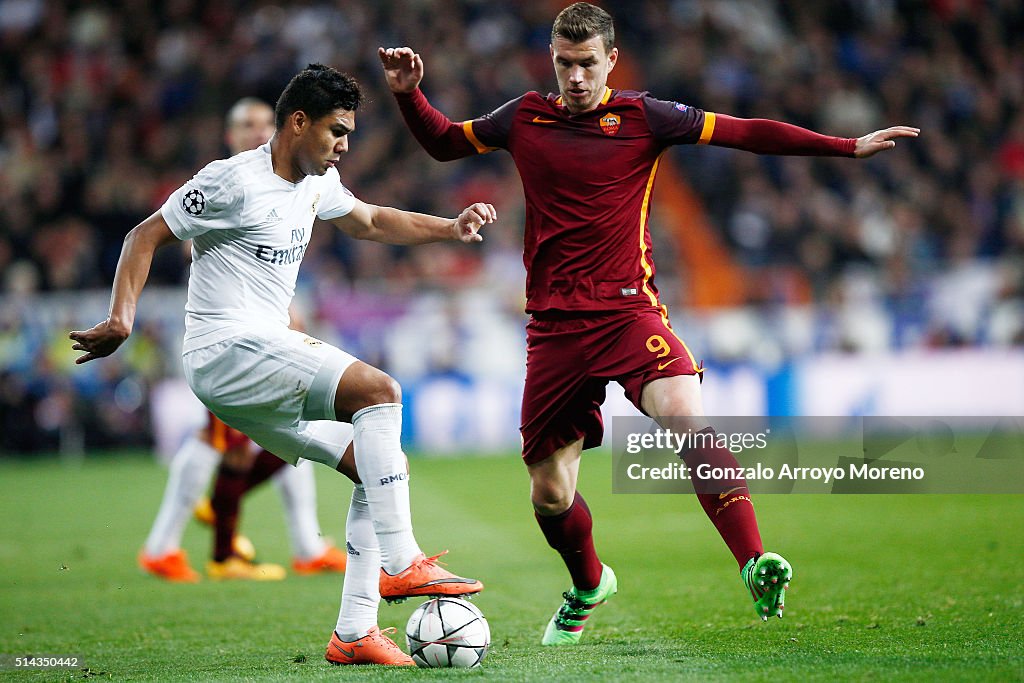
[(250, 218), (242, 468), (587, 158)]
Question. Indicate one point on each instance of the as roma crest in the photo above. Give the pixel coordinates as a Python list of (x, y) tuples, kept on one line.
[(610, 124)]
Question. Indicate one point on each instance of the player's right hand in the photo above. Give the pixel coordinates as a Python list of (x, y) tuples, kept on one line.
[(403, 68), (99, 341)]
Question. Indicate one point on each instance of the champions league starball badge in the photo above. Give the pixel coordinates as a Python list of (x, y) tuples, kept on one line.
[(193, 202)]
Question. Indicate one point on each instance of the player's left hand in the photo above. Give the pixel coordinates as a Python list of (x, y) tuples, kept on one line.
[(99, 341), (469, 222), (873, 143)]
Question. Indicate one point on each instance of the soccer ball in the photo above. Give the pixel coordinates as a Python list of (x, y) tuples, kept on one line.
[(447, 632)]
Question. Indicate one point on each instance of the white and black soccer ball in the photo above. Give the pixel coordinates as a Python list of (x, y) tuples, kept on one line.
[(447, 632)]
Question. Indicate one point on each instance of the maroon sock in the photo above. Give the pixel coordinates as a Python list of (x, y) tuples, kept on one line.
[(726, 502), (227, 492), (264, 467), (569, 534)]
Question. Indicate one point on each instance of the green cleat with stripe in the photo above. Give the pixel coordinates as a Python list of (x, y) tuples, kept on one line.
[(566, 627), (767, 577)]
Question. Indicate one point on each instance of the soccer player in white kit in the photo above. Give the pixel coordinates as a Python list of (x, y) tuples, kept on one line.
[(250, 219), (249, 124)]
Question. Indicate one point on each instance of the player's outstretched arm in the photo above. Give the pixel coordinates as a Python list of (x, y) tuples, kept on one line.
[(394, 226), (132, 272), (765, 136)]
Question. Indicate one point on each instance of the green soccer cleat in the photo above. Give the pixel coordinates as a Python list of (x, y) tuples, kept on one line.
[(566, 627), (767, 577)]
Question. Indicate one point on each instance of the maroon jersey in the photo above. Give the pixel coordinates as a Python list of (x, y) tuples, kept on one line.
[(588, 181)]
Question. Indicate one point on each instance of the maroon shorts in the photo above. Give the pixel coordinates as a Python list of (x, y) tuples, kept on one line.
[(224, 438), (569, 362)]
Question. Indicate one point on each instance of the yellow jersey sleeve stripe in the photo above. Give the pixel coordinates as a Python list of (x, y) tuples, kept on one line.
[(709, 128), (481, 148)]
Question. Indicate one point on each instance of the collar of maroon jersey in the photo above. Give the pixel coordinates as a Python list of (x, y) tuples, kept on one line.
[(604, 100)]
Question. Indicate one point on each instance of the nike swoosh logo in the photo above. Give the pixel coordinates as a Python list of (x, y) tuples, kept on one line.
[(662, 366), (456, 579), (537, 119), (735, 488), (348, 653)]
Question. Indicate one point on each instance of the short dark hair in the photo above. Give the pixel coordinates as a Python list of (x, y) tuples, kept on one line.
[(582, 21), (317, 90)]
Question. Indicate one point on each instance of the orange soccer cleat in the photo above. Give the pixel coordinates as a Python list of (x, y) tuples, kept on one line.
[(332, 560), (425, 578), (173, 566), (373, 648)]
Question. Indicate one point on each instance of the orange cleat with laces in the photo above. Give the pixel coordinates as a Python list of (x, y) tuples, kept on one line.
[(425, 578), (373, 648)]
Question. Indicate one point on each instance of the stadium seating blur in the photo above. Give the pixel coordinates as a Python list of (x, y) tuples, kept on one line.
[(106, 107)]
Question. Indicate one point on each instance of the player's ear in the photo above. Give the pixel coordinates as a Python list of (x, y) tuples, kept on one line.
[(613, 57), (298, 121)]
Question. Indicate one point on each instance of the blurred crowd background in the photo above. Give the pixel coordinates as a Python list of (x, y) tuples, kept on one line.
[(106, 107)]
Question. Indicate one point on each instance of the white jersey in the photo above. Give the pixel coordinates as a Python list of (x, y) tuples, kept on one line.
[(249, 229)]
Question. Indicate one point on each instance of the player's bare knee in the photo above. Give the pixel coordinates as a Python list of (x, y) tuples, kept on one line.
[(389, 390), (382, 389), (549, 499), (550, 508), (363, 386), (669, 397)]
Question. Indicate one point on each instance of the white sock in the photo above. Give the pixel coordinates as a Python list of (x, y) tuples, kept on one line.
[(298, 497), (360, 594), (189, 475), (382, 468)]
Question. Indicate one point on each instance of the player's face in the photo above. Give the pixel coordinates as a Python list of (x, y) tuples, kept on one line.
[(251, 129), (582, 70), (324, 140)]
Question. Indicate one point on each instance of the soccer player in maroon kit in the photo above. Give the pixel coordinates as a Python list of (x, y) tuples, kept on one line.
[(587, 158)]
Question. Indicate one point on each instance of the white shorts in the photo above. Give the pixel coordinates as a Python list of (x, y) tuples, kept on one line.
[(278, 388)]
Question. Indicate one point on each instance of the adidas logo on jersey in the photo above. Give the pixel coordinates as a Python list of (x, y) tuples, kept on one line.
[(272, 217)]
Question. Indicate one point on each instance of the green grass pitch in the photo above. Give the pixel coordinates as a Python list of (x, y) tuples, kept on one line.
[(886, 587)]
